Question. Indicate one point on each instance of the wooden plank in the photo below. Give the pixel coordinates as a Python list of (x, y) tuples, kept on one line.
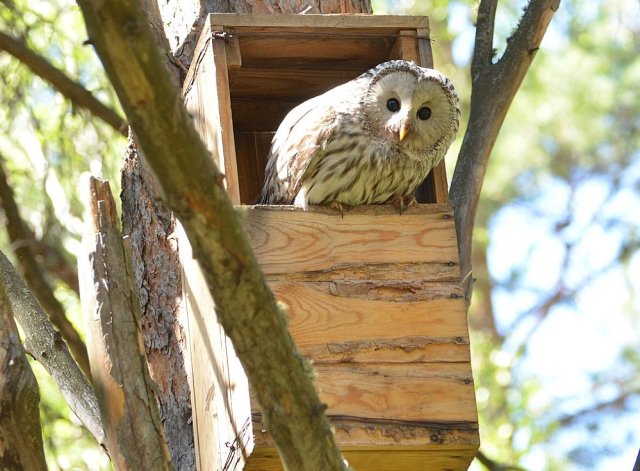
[(252, 150), (358, 22), (207, 98), (432, 459), (333, 328), (261, 114), (367, 435), (286, 239), (289, 82), (219, 386), (224, 121), (315, 52), (415, 392), (441, 186), (406, 47), (424, 48)]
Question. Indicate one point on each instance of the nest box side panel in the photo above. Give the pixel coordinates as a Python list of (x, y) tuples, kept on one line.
[(375, 302), (219, 387), (207, 98)]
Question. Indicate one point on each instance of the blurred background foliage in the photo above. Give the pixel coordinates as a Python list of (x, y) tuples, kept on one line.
[(556, 308)]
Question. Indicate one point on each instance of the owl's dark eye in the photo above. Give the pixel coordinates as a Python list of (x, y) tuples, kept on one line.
[(393, 105), (424, 113)]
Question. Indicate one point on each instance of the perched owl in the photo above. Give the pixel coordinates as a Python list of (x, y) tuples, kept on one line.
[(371, 140)]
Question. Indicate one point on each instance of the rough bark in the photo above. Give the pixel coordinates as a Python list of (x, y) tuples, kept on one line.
[(149, 226), (45, 344), (193, 188), (20, 433), (72, 90), (23, 243), (124, 389), (494, 84)]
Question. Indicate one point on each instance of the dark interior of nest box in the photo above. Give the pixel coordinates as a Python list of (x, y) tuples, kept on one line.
[(279, 70)]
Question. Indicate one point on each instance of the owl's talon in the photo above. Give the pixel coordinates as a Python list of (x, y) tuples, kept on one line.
[(339, 207), (404, 202)]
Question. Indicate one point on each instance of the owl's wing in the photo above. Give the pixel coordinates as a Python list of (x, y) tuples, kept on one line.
[(299, 143)]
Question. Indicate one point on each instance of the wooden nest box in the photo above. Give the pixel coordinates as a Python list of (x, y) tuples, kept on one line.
[(375, 297)]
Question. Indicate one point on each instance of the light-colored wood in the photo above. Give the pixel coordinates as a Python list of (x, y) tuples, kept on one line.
[(207, 98), (408, 393), (219, 386), (406, 47), (429, 459), (286, 239), (358, 22), (332, 327)]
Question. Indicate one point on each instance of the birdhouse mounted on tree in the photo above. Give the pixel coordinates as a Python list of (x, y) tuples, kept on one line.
[(375, 298)]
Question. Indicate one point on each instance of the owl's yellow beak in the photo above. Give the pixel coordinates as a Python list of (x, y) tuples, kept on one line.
[(403, 131)]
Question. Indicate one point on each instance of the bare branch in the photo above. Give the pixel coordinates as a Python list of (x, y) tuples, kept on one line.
[(193, 187), (46, 345), (493, 89), (483, 49), (493, 465), (72, 90), (23, 243), (20, 432), (125, 391)]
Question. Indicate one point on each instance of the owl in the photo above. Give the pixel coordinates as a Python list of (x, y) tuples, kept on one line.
[(371, 140)]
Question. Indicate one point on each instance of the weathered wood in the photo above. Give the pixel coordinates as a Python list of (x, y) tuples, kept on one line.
[(21, 445), (211, 86), (375, 302), (289, 240), (219, 391), (128, 405), (45, 343), (337, 328), (363, 23)]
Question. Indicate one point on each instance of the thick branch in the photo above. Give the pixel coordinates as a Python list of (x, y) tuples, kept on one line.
[(46, 345), (20, 432), (193, 188), (493, 89), (23, 243), (72, 90), (127, 402)]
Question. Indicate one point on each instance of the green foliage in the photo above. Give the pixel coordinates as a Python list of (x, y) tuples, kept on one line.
[(48, 148)]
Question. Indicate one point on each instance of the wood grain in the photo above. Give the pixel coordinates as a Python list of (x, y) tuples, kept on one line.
[(416, 392), (356, 22), (334, 327), (219, 389), (294, 241)]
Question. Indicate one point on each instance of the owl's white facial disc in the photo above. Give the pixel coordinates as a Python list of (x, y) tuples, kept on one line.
[(412, 109)]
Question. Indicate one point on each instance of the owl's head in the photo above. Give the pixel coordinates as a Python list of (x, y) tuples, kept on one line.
[(413, 107)]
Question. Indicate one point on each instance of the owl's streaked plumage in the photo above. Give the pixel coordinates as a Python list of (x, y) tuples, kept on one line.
[(371, 140)]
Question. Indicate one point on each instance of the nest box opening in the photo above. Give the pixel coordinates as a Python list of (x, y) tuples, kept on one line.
[(265, 65)]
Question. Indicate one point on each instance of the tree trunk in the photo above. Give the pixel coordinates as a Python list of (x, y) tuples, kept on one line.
[(150, 225), (20, 432)]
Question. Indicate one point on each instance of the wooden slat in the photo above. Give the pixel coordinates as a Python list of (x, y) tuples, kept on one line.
[(289, 240), (431, 459), (260, 82), (416, 392), (219, 389), (332, 328), (303, 51), (207, 98), (357, 22), (261, 114)]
